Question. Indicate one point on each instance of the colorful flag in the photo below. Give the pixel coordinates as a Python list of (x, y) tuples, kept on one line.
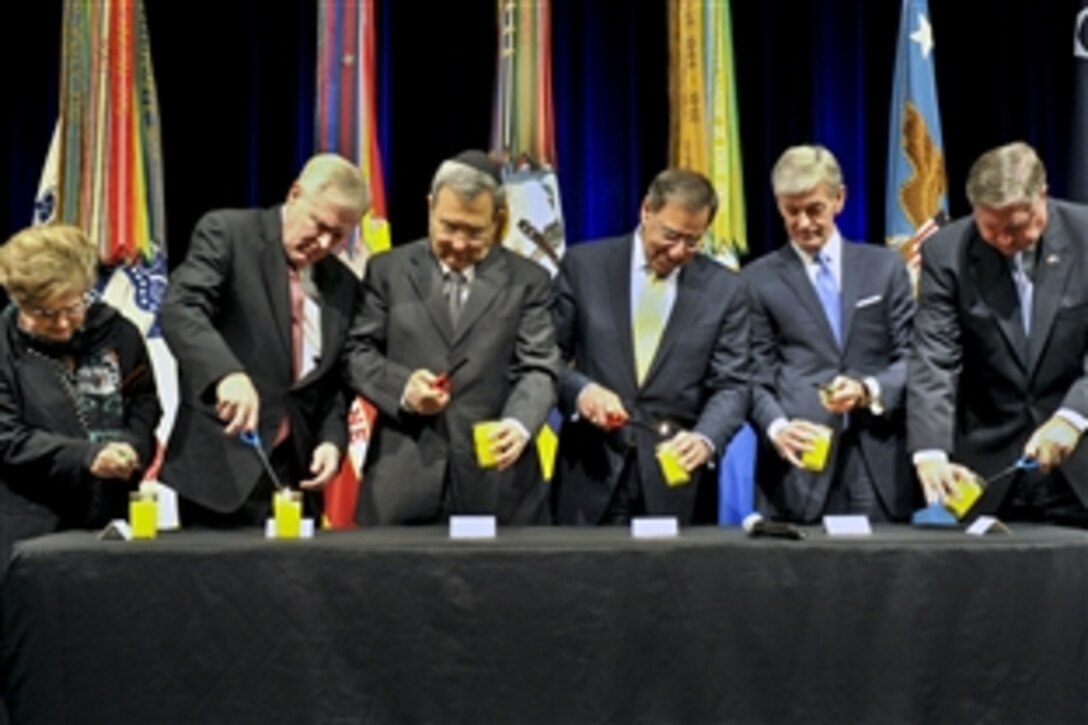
[(523, 137), (704, 136), (347, 124), (523, 131), (704, 130), (104, 168), (917, 199), (1078, 161)]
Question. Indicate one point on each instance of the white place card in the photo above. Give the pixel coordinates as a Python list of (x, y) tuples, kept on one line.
[(849, 525), (116, 530), (654, 527), (472, 527), (166, 504), (987, 525), (305, 528)]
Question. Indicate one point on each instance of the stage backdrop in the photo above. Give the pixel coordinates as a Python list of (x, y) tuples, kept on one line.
[(236, 87)]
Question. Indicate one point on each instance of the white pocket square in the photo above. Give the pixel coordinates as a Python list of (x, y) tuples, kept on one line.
[(865, 302)]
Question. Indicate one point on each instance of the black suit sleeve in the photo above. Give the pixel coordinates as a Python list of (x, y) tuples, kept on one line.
[(728, 372), (192, 302), (536, 359), (138, 392), (367, 369), (28, 450), (934, 370), (564, 309)]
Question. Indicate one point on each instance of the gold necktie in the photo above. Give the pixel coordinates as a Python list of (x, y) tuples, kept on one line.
[(649, 322)]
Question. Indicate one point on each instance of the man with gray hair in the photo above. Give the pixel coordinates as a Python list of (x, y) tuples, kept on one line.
[(655, 337), (256, 316), (998, 371), (452, 332), (830, 340)]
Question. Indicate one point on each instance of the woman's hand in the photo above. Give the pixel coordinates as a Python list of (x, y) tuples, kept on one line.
[(116, 460)]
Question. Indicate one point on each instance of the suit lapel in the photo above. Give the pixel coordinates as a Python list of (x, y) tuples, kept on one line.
[(852, 272), (796, 278), (618, 305), (426, 280), (273, 264), (995, 287), (492, 275), (1052, 271)]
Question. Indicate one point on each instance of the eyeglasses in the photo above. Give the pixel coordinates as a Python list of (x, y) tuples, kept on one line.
[(673, 237), (472, 234), (70, 312)]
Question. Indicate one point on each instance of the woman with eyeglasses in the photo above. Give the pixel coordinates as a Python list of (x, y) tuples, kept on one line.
[(78, 403)]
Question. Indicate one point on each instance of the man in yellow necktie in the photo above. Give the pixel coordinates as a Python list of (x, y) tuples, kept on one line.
[(655, 340)]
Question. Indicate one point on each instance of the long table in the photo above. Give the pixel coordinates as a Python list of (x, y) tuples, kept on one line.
[(550, 626)]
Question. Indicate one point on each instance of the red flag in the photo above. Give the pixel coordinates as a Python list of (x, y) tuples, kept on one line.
[(347, 125)]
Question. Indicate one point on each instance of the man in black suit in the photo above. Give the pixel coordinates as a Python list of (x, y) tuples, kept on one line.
[(655, 337), (998, 370), (256, 316), (828, 314), (453, 331)]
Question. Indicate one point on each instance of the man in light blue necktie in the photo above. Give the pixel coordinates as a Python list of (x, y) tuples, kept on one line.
[(830, 339), (997, 375)]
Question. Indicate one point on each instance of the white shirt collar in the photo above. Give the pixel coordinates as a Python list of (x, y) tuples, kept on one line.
[(469, 272), (639, 265), (832, 249)]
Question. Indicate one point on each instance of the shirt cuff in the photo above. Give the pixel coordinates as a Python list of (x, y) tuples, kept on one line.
[(709, 444), (519, 425), (929, 454), (776, 425), (578, 403), (1073, 418), (876, 405)]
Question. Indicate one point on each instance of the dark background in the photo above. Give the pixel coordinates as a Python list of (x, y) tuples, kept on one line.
[(236, 89)]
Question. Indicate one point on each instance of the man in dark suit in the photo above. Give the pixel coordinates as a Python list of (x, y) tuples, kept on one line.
[(454, 331), (256, 316), (655, 337), (1001, 343), (830, 341)]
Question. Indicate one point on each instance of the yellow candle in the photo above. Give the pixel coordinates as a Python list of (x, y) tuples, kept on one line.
[(287, 512), (815, 458), (143, 516), (481, 438), (674, 473)]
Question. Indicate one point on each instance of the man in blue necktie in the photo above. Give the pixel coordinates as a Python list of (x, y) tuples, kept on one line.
[(830, 338), (1001, 345)]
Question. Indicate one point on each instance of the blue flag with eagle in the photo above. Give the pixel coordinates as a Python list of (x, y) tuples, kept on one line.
[(917, 194)]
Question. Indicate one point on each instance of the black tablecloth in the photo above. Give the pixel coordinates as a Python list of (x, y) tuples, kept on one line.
[(550, 626)]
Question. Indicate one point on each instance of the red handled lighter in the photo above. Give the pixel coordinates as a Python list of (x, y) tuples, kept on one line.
[(445, 380), (614, 420)]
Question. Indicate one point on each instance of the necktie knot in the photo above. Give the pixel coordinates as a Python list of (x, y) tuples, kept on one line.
[(1026, 261)]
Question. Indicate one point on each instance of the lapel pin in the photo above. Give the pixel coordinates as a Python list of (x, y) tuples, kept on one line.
[(1052, 259)]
